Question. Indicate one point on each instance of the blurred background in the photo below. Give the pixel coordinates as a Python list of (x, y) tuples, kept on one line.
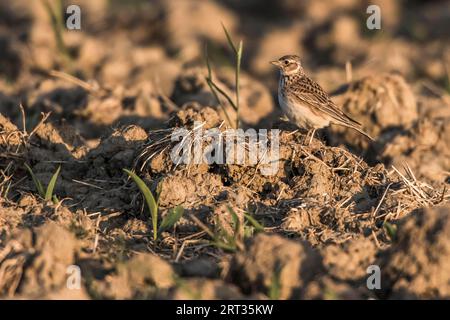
[(135, 62)]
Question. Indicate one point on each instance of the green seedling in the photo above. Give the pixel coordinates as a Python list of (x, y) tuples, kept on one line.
[(47, 194), (225, 240), (234, 241), (275, 285), (216, 90), (55, 13), (169, 220), (391, 230), (330, 294), (254, 223)]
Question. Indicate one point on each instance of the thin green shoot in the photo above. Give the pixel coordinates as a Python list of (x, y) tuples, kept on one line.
[(215, 89), (51, 185), (238, 58), (256, 225), (391, 230), (172, 216), (56, 18), (223, 239), (275, 285), (46, 194), (149, 199)]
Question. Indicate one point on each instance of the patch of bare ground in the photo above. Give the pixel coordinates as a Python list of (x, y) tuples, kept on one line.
[(417, 264), (329, 200), (111, 96)]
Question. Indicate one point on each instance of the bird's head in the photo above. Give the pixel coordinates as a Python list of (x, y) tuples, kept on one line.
[(289, 65)]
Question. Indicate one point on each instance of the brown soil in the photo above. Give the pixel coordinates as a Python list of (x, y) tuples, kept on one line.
[(417, 263), (332, 208)]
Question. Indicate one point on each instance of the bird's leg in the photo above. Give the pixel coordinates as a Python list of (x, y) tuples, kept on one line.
[(306, 137), (312, 136)]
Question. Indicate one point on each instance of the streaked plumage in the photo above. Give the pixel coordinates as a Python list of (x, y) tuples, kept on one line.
[(304, 101)]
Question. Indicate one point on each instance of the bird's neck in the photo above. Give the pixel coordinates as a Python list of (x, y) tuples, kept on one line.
[(286, 79)]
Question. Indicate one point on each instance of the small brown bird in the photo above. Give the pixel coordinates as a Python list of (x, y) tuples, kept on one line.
[(304, 101)]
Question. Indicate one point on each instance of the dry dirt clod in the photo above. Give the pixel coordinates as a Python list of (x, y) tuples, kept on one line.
[(201, 288), (272, 261), (384, 104), (350, 260), (417, 266), (36, 261), (202, 267), (327, 288), (425, 148), (182, 189), (139, 278)]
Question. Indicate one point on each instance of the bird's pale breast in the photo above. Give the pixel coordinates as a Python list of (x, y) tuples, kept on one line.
[(301, 114)]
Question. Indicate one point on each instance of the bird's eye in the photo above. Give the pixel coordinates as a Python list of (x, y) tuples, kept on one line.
[(286, 62)]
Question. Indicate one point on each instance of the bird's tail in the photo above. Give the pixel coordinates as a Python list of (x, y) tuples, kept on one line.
[(362, 132), (346, 121)]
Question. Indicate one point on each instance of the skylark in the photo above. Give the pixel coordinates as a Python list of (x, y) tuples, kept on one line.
[(304, 101)]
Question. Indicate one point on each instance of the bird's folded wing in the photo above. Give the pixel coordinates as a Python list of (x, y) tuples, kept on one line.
[(314, 96)]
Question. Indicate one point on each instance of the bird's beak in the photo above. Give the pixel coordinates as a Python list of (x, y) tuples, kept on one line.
[(275, 63)]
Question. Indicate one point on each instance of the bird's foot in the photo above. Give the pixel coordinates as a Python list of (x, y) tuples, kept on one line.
[(310, 135)]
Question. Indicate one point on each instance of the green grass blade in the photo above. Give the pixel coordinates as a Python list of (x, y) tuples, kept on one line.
[(258, 227), (149, 199), (217, 98), (208, 65), (57, 22), (223, 93), (239, 54), (36, 181), (51, 185), (236, 222), (215, 87), (391, 230), (230, 42), (171, 218), (238, 72), (275, 286), (222, 233), (212, 86), (158, 191)]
